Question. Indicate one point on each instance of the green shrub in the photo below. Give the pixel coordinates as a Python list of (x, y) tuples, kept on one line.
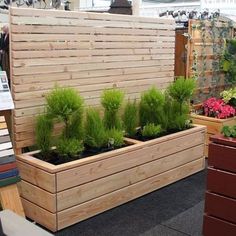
[(229, 96), (229, 131), (130, 118), (66, 105), (151, 107), (181, 90), (69, 147), (111, 101), (95, 136), (75, 127), (43, 133), (115, 138), (151, 130)]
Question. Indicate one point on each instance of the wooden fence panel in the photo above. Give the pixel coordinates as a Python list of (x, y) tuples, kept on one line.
[(87, 51), (205, 46)]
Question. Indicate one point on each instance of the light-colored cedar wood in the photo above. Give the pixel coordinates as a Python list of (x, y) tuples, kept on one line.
[(19, 46), (89, 66), (45, 29), (191, 137), (84, 85), (89, 15), (87, 38), (10, 199), (95, 59), (116, 74), (37, 176), (84, 174), (99, 187), (40, 215), (96, 206), (37, 196), (126, 181)]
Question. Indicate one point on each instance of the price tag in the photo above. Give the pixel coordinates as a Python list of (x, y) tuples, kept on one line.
[(6, 102)]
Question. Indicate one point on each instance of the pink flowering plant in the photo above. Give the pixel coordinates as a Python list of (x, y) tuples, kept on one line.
[(217, 108)]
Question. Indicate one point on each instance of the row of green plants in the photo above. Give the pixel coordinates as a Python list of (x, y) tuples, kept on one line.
[(97, 130)]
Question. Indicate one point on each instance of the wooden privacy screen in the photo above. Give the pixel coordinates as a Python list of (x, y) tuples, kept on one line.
[(205, 45), (87, 51)]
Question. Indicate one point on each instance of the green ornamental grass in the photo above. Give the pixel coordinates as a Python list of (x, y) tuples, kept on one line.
[(95, 133), (130, 118), (151, 106), (43, 134), (112, 100)]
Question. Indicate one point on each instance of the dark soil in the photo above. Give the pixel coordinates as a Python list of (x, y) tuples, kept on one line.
[(139, 136), (54, 158)]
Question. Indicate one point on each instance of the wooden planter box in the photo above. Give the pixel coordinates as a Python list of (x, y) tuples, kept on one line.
[(213, 125), (62, 195), (220, 202)]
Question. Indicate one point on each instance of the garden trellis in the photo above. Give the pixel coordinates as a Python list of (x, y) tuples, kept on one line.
[(205, 47)]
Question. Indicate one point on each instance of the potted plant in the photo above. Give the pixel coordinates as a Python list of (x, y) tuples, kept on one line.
[(229, 96), (220, 203), (214, 113), (114, 170)]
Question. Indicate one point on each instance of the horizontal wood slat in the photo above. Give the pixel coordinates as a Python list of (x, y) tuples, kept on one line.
[(87, 51)]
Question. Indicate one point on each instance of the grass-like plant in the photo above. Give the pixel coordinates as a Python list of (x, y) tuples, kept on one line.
[(130, 118), (112, 100), (151, 106), (65, 104), (43, 133), (151, 130), (95, 133), (115, 138), (182, 90), (69, 147)]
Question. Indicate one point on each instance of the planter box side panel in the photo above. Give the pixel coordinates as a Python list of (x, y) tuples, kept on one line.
[(37, 196), (113, 182), (222, 157), (213, 227), (145, 153), (40, 215), (221, 182), (37, 177), (116, 198), (220, 207)]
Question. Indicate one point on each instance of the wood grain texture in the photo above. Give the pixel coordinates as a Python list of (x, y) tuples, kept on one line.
[(88, 209), (87, 51), (10, 199), (99, 187), (38, 196), (37, 177), (40, 215)]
